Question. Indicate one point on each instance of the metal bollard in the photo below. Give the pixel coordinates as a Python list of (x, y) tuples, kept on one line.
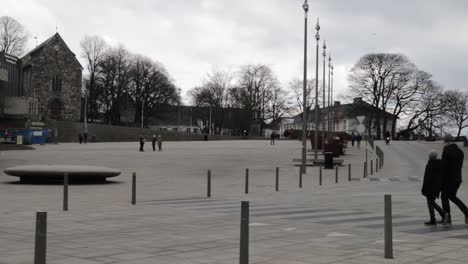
[(336, 175), (208, 184), (40, 245), (388, 227), (349, 172), (244, 233), (277, 180), (65, 191), (247, 180), (366, 155), (320, 176), (300, 176), (134, 188), (371, 168), (364, 175)]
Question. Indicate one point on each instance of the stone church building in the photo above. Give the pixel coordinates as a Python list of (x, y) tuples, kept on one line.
[(43, 85)]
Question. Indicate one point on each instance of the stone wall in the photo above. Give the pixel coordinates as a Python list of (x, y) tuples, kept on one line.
[(55, 59), (69, 131)]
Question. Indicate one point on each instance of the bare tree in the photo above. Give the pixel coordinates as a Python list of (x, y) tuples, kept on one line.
[(296, 88), (93, 49), (457, 109), (13, 36), (385, 81), (214, 93)]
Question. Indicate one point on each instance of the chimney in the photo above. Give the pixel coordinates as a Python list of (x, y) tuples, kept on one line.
[(357, 100)]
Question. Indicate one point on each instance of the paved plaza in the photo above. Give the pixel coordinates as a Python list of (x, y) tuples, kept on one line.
[(174, 222)]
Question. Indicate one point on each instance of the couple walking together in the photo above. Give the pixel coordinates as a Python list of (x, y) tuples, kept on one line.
[(444, 176)]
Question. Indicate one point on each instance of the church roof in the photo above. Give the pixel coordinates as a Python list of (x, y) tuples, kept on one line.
[(27, 58)]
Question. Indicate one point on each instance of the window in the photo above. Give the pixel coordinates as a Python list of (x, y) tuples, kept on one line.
[(188, 130), (195, 130), (175, 129), (161, 129), (57, 83)]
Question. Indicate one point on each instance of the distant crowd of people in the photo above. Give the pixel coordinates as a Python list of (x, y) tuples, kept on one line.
[(155, 140)]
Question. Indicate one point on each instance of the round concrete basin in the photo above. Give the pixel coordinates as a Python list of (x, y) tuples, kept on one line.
[(56, 172)]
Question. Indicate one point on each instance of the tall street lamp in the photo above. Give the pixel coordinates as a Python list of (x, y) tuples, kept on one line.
[(305, 6), (329, 98), (85, 113), (324, 103), (333, 110), (178, 116), (317, 37)]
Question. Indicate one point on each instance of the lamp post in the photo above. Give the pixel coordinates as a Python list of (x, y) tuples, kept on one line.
[(85, 114), (178, 116), (142, 111), (329, 98), (324, 103), (317, 37), (305, 6), (333, 110)]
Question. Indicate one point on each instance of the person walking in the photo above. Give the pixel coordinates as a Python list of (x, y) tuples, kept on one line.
[(432, 185), (153, 142), (80, 138), (358, 139), (353, 138), (160, 141), (142, 143), (85, 137), (272, 138), (452, 162)]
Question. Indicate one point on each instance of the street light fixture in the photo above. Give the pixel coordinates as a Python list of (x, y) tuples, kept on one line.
[(317, 37), (324, 54), (329, 98), (178, 116), (333, 110), (305, 6)]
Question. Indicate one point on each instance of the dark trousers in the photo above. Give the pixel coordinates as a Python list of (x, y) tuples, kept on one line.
[(452, 196), (160, 147), (431, 205), (154, 146), (141, 146)]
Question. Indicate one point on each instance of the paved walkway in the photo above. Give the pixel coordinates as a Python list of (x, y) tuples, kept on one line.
[(174, 223)]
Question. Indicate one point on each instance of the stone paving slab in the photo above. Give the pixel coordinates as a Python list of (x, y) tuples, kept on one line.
[(173, 222)]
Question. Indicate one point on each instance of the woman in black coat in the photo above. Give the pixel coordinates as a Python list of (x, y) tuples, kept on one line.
[(432, 185)]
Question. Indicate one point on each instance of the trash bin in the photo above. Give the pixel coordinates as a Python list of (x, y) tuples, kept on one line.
[(328, 160)]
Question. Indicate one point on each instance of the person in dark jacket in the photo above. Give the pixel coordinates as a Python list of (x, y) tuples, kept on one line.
[(353, 138), (160, 141), (153, 142), (142, 143), (452, 161), (432, 185), (358, 139)]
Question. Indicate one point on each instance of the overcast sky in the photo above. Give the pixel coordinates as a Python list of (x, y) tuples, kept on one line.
[(191, 37)]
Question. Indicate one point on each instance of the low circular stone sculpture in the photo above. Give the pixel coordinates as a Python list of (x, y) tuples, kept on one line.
[(35, 173)]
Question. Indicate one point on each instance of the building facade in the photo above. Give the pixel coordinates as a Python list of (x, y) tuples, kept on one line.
[(52, 74), (349, 118), (43, 85)]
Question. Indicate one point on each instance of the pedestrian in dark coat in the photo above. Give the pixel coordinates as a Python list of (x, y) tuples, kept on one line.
[(160, 141), (452, 160), (353, 138), (432, 185), (142, 143), (153, 142), (358, 139), (272, 138), (80, 138)]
